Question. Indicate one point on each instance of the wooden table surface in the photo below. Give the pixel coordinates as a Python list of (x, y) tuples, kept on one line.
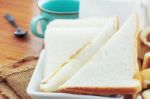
[(12, 48)]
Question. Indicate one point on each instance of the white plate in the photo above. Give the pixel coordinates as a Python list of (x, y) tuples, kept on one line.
[(33, 87)]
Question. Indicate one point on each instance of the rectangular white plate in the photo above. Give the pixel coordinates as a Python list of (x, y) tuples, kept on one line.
[(33, 87)]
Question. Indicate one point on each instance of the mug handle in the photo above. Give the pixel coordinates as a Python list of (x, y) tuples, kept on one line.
[(34, 23)]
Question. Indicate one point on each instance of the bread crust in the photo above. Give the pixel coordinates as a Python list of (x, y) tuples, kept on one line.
[(99, 90), (133, 96)]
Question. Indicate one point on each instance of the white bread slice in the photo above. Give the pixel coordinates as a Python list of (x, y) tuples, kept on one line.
[(63, 73), (114, 68), (146, 94), (86, 22), (62, 43)]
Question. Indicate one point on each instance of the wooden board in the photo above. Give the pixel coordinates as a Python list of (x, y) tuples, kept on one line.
[(12, 48)]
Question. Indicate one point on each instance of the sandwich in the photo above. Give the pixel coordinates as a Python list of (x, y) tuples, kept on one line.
[(62, 43), (71, 66), (113, 69)]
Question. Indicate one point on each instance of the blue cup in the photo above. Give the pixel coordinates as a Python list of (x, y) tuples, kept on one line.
[(54, 9)]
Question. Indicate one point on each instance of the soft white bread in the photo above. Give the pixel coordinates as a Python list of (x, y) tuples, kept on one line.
[(146, 94), (62, 43), (145, 74), (86, 22), (146, 61), (114, 68), (71, 66)]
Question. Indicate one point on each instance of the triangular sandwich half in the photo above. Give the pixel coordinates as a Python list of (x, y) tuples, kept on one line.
[(71, 66), (114, 68)]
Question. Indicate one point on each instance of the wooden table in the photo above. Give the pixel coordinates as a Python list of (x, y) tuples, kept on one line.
[(12, 48)]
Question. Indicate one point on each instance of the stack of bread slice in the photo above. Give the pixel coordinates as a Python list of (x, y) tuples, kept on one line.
[(91, 59)]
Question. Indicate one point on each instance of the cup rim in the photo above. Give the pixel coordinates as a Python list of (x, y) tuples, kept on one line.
[(54, 12)]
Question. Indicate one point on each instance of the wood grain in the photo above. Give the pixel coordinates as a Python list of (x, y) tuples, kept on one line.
[(12, 48)]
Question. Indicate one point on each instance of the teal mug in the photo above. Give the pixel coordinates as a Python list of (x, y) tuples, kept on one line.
[(54, 9)]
